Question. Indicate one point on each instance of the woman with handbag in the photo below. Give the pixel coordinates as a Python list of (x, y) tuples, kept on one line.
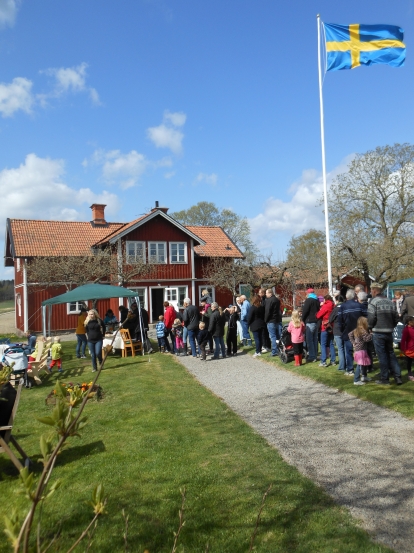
[(326, 331)]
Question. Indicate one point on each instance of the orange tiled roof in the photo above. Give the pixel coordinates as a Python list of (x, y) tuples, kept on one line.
[(218, 244), (123, 227), (54, 238)]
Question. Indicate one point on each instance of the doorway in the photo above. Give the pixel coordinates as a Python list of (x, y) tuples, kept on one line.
[(157, 303)]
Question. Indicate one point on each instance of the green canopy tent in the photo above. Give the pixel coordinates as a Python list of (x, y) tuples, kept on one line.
[(85, 293), (402, 283)]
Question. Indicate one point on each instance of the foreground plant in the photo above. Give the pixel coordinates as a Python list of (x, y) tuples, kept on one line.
[(65, 422)]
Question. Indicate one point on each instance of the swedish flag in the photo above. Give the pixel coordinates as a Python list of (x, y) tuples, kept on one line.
[(348, 46)]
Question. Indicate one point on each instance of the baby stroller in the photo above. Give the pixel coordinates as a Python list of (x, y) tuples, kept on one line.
[(286, 347), (15, 356)]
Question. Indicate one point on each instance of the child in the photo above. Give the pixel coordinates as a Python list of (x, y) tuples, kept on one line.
[(160, 330), (297, 332), (407, 345), (56, 351), (232, 318), (359, 339), (202, 340), (177, 330)]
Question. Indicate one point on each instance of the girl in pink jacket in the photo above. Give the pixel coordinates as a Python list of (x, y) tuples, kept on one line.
[(297, 332)]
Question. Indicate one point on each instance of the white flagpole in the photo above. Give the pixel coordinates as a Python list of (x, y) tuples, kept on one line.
[(325, 189)]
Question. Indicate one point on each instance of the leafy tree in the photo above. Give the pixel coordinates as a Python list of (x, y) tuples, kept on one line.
[(371, 210), (208, 214)]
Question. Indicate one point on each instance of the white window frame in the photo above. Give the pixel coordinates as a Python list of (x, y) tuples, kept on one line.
[(77, 309), (185, 260), (137, 289), (181, 306), (135, 243), (203, 287), (157, 259)]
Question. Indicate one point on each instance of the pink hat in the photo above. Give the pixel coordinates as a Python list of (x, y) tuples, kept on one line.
[(310, 291)]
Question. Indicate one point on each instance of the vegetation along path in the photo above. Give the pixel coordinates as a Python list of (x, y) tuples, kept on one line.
[(359, 452)]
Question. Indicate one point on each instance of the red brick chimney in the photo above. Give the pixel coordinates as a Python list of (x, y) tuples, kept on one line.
[(98, 214)]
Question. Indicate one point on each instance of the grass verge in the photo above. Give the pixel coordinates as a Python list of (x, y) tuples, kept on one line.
[(155, 431), (6, 306), (397, 398)]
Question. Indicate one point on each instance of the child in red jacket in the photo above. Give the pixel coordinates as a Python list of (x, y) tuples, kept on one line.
[(407, 345)]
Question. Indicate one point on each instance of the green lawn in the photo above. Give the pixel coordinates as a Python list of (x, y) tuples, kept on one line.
[(6, 306), (398, 398), (155, 431)]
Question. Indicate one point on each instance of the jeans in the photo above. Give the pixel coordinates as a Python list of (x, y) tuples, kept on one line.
[(358, 370), (257, 334), (386, 356), (327, 342), (240, 331), (185, 335), (312, 340), (168, 332), (219, 344), (274, 335), (341, 352), (246, 334), (81, 345), (95, 350), (349, 356), (192, 338)]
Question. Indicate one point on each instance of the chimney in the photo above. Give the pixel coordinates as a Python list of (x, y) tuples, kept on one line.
[(98, 215), (157, 206)]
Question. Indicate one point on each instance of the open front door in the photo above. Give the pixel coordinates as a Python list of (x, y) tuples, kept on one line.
[(171, 295)]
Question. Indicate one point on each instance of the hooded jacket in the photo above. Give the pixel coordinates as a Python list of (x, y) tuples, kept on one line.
[(310, 308)]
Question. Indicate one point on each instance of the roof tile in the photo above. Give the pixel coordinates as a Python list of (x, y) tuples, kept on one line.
[(218, 244)]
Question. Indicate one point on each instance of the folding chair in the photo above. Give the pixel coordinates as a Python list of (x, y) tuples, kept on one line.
[(40, 362), (7, 437), (129, 344)]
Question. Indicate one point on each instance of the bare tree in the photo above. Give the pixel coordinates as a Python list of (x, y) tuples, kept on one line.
[(227, 274)]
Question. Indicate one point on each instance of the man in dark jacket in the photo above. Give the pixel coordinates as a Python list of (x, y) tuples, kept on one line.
[(273, 319), (265, 333), (309, 310), (191, 318), (382, 318), (216, 329), (348, 315)]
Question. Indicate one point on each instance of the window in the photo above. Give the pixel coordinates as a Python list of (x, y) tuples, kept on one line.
[(157, 252), (211, 292), (135, 251), (73, 308), (18, 264), (178, 252), (142, 295), (182, 294)]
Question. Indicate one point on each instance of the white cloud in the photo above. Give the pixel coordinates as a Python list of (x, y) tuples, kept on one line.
[(177, 119), (166, 135), (16, 96), (125, 169), (36, 189), (208, 179), (301, 213), (8, 12), (70, 79)]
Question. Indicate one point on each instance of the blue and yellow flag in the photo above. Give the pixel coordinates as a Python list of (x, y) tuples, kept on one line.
[(348, 46)]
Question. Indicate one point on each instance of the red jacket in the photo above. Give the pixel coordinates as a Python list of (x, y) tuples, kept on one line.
[(324, 312), (407, 340), (169, 316)]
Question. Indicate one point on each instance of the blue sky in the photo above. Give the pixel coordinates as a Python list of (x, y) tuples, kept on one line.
[(126, 102)]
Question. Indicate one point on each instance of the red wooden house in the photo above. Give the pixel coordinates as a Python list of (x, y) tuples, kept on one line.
[(178, 255)]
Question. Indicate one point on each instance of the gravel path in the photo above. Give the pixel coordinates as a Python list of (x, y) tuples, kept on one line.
[(360, 453)]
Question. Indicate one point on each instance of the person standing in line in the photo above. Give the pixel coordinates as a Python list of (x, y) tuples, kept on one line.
[(169, 318), (160, 331), (256, 323), (202, 340), (382, 318), (239, 326), (297, 333), (273, 319), (191, 318), (407, 345), (310, 308), (266, 344), (80, 334), (232, 317), (337, 332), (244, 318), (326, 331), (216, 329), (347, 319), (359, 338), (95, 332)]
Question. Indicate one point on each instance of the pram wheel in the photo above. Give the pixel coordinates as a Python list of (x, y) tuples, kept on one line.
[(283, 356)]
